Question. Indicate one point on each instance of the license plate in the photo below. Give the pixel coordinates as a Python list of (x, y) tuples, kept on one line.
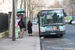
[(53, 33)]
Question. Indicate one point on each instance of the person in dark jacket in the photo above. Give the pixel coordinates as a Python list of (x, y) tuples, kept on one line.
[(54, 17), (22, 26), (29, 27)]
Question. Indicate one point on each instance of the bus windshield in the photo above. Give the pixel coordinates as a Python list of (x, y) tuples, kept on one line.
[(52, 17)]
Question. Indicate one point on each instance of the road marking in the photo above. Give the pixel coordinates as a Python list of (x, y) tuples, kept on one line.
[(73, 49), (60, 39), (65, 48), (57, 40), (59, 45)]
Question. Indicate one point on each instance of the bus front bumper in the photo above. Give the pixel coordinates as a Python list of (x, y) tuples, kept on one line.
[(52, 33)]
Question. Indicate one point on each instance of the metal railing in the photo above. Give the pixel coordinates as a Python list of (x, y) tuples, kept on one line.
[(3, 22)]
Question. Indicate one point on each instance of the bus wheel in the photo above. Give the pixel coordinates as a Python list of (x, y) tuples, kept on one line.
[(61, 35), (40, 35)]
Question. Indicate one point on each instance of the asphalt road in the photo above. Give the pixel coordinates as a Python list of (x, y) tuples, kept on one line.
[(67, 42)]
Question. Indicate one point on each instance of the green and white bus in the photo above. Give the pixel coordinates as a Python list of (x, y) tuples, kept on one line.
[(51, 22)]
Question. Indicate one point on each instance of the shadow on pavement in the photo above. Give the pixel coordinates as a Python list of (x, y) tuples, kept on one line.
[(52, 36)]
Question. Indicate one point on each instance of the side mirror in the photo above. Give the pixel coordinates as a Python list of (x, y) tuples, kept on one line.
[(65, 14), (38, 21)]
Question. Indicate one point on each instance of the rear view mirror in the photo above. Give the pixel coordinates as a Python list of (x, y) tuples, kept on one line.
[(37, 15)]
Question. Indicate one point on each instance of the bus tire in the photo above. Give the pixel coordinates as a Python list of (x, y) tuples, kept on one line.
[(40, 35), (61, 35)]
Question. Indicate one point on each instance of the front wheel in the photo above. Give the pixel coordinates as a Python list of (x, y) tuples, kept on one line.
[(40, 35), (61, 35)]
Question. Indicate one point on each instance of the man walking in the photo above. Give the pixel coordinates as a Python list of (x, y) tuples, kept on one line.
[(22, 26)]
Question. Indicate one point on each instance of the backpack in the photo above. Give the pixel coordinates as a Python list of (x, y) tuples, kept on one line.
[(20, 24)]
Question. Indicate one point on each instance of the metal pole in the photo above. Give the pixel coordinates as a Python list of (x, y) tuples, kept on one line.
[(72, 11), (29, 11), (25, 11), (13, 36)]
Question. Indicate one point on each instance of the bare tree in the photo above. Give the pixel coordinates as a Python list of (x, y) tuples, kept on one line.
[(57, 4), (34, 6), (69, 6)]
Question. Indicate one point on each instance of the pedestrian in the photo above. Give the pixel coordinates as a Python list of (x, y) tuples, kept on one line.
[(22, 26), (29, 27)]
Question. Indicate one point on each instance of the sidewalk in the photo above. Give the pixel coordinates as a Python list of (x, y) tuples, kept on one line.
[(25, 43)]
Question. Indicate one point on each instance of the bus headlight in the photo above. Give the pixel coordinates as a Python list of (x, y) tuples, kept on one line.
[(42, 29), (62, 28)]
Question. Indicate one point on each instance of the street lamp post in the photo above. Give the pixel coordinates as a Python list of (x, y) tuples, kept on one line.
[(72, 11), (25, 11), (13, 35)]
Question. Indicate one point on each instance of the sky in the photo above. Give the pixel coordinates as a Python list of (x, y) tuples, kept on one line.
[(60, 1), (49, 1), (52, 1)]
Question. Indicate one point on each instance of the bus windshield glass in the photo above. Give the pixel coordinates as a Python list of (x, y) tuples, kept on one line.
[(52, 17)]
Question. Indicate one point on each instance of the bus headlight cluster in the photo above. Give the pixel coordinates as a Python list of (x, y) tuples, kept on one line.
[(42, 29), (62, 28)]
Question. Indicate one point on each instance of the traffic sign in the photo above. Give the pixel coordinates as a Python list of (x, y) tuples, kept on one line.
[(20, 9)]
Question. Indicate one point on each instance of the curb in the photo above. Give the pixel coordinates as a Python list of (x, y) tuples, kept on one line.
[(2, 34), (38, 47)]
